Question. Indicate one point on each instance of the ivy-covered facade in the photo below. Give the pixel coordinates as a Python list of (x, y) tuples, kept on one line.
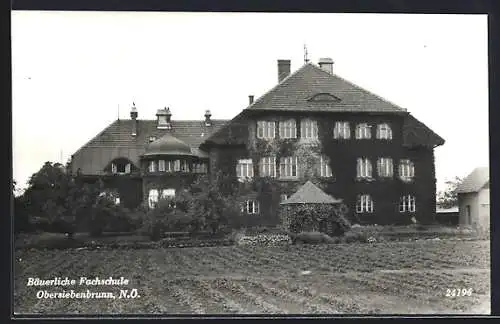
[(313, 125)]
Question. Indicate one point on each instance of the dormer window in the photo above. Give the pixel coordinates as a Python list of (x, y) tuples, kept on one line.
[(164, 117), (121, 166), (324, 97)]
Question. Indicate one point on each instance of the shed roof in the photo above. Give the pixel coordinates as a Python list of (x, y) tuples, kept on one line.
[(309, 193)]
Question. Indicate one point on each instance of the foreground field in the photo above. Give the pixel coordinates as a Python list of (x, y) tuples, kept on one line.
[(384, 278)]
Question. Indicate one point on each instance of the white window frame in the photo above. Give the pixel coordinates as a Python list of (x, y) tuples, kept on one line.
[(128, 168), (342, 130), (117, 200), (363, 131), (287, 164), (161, 166), (114, 168), (407, 203), (266, 129), (288, 128), (309, 128), (153, 198), (152, 166), (406, 170), (385, 167), (251, 207), (364, 204), (364, 168), (325, 169), (177, 165), (384, 131), (268, 166), (244, 169)]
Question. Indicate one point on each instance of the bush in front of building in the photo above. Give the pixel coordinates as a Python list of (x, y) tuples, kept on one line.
[(325, 218)]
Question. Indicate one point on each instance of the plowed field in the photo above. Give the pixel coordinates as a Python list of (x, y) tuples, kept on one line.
[(383, 278)]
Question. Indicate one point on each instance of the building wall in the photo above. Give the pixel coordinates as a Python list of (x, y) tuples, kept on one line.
[(484, 208), (464, 200), (343, 155)]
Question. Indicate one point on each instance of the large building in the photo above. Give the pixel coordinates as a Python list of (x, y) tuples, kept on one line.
[(313, 125)]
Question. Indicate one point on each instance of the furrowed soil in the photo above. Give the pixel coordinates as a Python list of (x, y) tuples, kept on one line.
[(381, 278)]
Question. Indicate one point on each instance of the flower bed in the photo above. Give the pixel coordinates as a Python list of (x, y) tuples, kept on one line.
[(264, 240)]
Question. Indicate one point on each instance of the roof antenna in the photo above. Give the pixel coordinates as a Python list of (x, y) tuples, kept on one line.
[(306, 59)]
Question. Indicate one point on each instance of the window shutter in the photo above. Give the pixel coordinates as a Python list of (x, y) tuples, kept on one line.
[(369, 168), (256, 206), (127, 168)]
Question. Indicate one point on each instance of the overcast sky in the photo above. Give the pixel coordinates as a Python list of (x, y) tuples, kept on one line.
[(72, 70)]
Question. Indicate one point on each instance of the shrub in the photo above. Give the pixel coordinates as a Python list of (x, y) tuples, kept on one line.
[(311, 238), (352, 237), (262, 239)]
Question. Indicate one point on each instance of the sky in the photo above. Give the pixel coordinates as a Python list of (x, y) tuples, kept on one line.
[(74, 73)]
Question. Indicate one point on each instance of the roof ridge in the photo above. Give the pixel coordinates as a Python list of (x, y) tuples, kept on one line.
[(360, 88), (277, 85), (174, 120)]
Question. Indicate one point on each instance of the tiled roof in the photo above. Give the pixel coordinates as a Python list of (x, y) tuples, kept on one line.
[(417, 133), (116, 141), (296, 90), (475, 181), (309, 193)]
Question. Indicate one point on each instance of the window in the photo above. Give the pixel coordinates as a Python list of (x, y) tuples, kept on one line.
[(153, 198), (169, 166), (363, 131), (364, 169), (364, 204), (283, 197), (177, 165), (161, 165), (120, 168), (288, 167), (288, 129), (117, 200), (268, 166), (169, 194), (250, 207), (308, 129), (406, 170), (152, 166), (152, 139), (342, 130), (384, 167), (324, 165), (384, 131), (265, 129), (200, 168), (244, 169), (407, 204), (184, 166)]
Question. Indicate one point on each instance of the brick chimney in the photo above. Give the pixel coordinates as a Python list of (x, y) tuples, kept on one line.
[(250, 99), (133, 116), (208, 122), (283, 69), (163, 118), (326, 64)]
